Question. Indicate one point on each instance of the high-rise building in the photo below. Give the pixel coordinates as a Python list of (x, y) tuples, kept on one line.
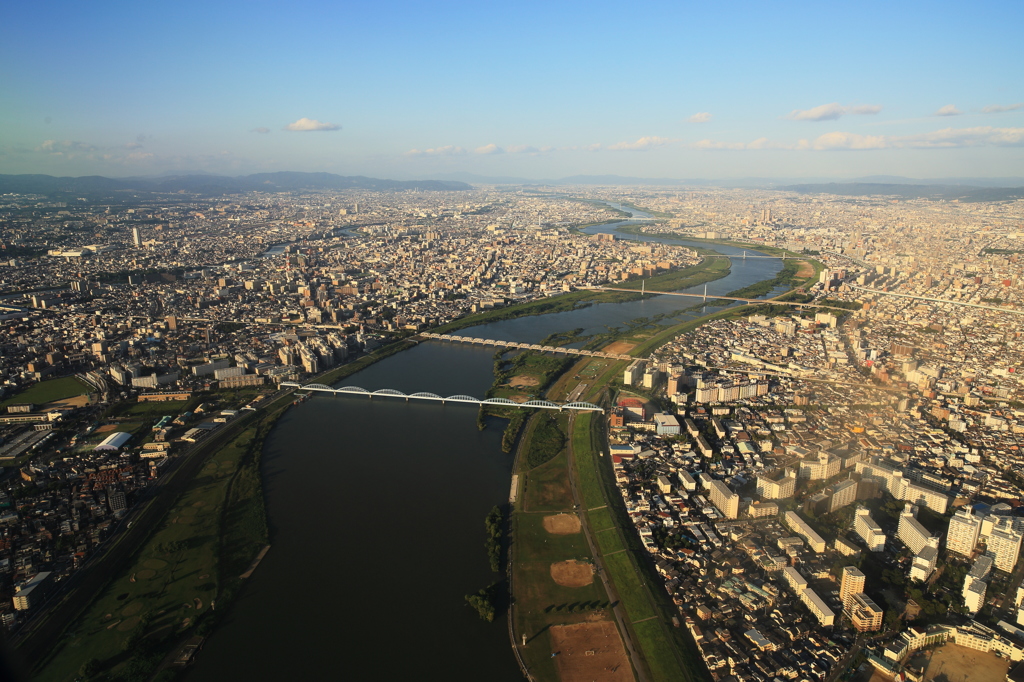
[(868, 530), (724, 499), (843, 493), (964, 529), (974, 594), (801, 528), (852, 583), (865, 614), (911, 532), (1003, 545), (925, 561), (825, 465), (777, 488), (136, 237)]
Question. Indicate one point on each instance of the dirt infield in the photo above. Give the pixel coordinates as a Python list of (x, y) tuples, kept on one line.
[(590, 652), (619, 347), (806, 269), (562, 524), (76, 401), (955, 662), (572, 573), (523, 380)]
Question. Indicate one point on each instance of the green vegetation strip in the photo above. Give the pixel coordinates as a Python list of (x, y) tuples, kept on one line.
[(586, 462), (670, 654), (707, 270), (193, 558)]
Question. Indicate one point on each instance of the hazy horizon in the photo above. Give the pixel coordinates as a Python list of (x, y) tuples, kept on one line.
[(397, 90)]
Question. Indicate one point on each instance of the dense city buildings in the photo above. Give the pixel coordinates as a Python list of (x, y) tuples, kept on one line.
[(796, 476)]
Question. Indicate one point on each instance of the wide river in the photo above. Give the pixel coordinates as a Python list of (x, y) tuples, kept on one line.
[(376, 511)]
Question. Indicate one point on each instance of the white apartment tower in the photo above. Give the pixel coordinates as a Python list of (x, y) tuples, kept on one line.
[(911, 532), (724, 499), (853, 583), (964, 529), (1003, 545), (868, 530)]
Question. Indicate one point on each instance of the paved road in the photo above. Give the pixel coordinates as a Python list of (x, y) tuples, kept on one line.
[(639, 665)]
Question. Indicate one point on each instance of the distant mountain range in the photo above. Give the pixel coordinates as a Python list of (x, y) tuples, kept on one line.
[(197, 183), (912, 191), (753, 182), (213, 184)]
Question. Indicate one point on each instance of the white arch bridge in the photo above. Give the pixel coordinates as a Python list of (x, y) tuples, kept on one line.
[(466, 399)]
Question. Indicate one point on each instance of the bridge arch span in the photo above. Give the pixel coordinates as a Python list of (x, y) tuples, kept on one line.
[(464, 398), (321, 387), (498, 401), (390, 391), (431, 396), (541, 403), (583, 406), (351, 389)]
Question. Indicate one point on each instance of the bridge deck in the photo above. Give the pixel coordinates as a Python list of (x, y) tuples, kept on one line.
[(467, 399), (527, 346)]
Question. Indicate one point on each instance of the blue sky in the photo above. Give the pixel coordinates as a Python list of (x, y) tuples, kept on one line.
[(541, 90)]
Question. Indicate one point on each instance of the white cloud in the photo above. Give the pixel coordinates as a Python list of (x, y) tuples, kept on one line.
[(700, 117), (947, 138), (831, 112), (261, 130), (489, 149), (447, 150), (309, 125), (521, 149), (715, 144), (850, 141), (1000, 108), (864, 109), (948, 110), (65, 147), (643, 144)]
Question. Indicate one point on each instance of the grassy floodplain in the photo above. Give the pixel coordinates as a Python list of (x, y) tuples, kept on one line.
[(540, 601), (188, 567), (669, 652)]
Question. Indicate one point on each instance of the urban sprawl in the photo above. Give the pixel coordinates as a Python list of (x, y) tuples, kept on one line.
[(818, 488)]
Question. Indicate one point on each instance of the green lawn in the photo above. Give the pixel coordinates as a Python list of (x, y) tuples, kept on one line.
[(533, 543), (668, 653), (601, 519), (610, 541), (628, 582), (586, 462), (540, 601), (547, 487), (49, 391)]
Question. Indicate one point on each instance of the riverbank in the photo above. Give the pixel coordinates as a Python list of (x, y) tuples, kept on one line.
[(188, 565), (440, 470), (706, 271)]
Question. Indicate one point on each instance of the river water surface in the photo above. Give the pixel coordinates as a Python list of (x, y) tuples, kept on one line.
[(376, 510)]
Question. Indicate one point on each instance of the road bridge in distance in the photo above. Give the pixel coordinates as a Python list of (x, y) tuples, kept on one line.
[(713, 297), (464, 399), (525, 346)]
